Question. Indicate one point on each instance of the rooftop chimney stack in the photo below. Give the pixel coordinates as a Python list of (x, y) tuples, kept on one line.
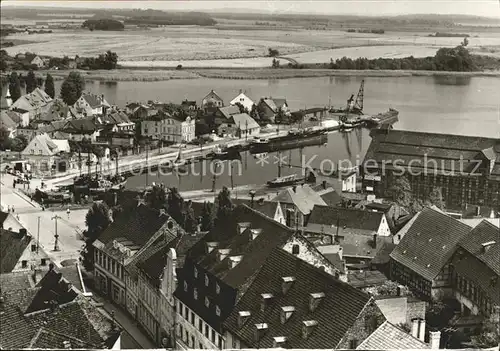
[(492, 214), (374, 244), (421, 330), (414, 328), (435, 339)]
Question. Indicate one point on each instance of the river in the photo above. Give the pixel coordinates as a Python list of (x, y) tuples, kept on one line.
[(450, 104)]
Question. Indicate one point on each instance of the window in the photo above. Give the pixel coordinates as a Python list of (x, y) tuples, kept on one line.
[(195, 272), (200, 346), (295, 249), (24, 263), (206, 331), (44, 261), (192, 341), (217, 310), (353, 344), (33, 247), (207, 302), (213, 336), (206, 280), (192, 319), (217, 288), (195, 293), (185, 286), (200, 325)]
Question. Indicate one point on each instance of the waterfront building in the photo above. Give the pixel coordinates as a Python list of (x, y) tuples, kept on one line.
[(268, 108), (240, 125), (82, 128), (292, 304), (36, 103), (211, 102), (167, 127), (91, 104), (41, 154), (244, 100), (422, 258), (221, 266), (465, 168)]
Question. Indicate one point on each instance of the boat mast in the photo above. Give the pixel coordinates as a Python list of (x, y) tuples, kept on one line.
[(359, 98)]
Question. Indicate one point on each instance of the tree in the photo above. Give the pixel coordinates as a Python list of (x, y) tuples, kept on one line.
[(465, 42), (5, 141), (19, 143), (14, 86), (489, 336), (190, 222), (273, 52), (207, 218), (435, 198), (49, 86), (116, 212), (97, 219), (403, 195), (224, 205), (87, 255), (176, 206), (253, 112), (3, 64), (241, 107), (156, 198), (110, 59), (72, 88), (30, 82)]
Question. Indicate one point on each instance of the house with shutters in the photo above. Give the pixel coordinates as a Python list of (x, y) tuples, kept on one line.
[(219, 269), (421, 261), (293, 304), (475, 270), (466, 168)]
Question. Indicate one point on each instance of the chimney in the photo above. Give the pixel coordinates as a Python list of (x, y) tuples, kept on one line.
[(307, 328), (492, 214), (486, 246), (265, 301), (242, 226), (234, 260), (374, 243), (400, 290), (243, 317), (223, 253), (324, 184), (414, 328), (421, 328), (260, 330), (255, 233), (286, 284), (279, 342), (314, 300), (23, 232), (286, 313), (435, 339), (211, 246)]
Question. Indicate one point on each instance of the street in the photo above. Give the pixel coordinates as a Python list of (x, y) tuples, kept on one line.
[(29, 213)]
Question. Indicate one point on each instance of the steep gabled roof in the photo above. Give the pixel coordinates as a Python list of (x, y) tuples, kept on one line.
[(244, 121), (302, 196), (484, 232), (81, 125), (429, 242), (388, 337), (254, 252), (229, 111), (337, 311), (12, 246), (346, 217), (212, 94)]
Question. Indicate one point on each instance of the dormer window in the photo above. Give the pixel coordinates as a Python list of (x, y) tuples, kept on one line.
[(307, 328), (314, 300), (279, 342), (217, 288), (195, 294), (185, 286), (217, 310), (260, 330), (286, 313), (286, 284), (265, 301), (243, 317), (206, 280), (207, 302), (195, 272)]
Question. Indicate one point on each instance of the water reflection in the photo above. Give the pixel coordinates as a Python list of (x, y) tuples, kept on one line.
[(452, 80)]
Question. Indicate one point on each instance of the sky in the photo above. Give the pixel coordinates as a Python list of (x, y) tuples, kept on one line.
[(488, 8)]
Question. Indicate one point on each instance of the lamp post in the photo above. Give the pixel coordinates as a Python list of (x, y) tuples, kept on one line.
[(56, 236), (252, 196)]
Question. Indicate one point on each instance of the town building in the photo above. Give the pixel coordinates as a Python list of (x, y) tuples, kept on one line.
[(140, 111), (466, 168), (221, 266), (118, 121), (10, 120), (116, 247), (211, 102), (268, 108), (244, 100), (224, 114), (421, 260), (476, 270), (292, 304), (45, 312), (41, 154), (36, 103), (20, 251), (189, 106), (79, 129), (170, 128), (8, 221), (240, 125), (91, 104), (388, 336)]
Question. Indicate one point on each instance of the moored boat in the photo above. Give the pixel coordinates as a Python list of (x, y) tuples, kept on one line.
[(284, 181)]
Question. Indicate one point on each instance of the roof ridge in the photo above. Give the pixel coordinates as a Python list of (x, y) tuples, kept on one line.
[(267, 217)]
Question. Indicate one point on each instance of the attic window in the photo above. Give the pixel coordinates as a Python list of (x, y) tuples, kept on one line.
[(234, 260), (195, 272), (444, 247), (243, 317), (404, 251), (185, 286), (223, 253), (195, 294), (217, 288), (206, 280), (265, 301), (314, 300), (286, 313), (217, 310), (428, 265), (286, 284), (255, 233), (207, 302), (279, 341), (260, 330), (307, 328)]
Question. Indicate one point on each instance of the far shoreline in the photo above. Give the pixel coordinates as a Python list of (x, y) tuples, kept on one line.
[(165, 74)]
